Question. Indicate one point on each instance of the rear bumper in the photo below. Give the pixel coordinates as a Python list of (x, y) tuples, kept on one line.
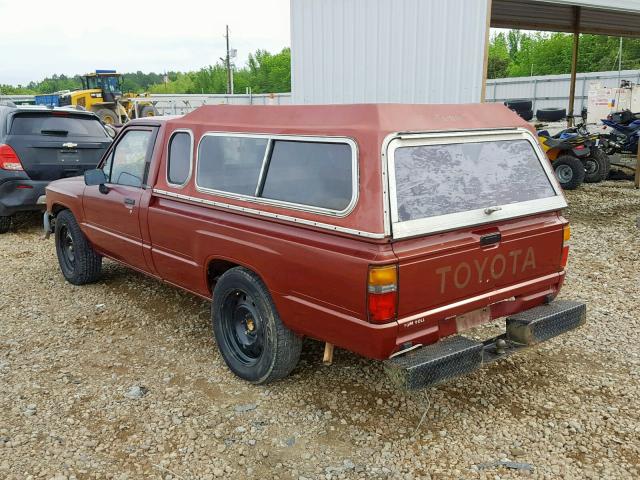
[(21, 195), (458, 355)]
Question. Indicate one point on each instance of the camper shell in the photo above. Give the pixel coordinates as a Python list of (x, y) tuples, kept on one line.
[(381, 229)]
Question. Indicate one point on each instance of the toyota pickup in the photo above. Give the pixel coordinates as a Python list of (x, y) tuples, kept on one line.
[(386, 230)]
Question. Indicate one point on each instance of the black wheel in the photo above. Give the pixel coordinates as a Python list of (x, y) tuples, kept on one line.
[(551, 114), (570, 171), (5, 224), (604, 162), (252, 339), (592, 170), (519, 105), (79, 263)]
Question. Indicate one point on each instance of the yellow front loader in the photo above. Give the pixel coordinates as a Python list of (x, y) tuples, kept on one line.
[(102, 94)]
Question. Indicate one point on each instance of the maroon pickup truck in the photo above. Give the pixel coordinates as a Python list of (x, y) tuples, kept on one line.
[(387, 230)]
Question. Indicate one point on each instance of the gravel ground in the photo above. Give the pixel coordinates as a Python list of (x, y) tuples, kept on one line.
[(122, 379)]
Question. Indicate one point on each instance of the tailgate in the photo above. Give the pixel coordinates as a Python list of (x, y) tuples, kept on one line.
[(471, 213), (57, 146), (442, 269)]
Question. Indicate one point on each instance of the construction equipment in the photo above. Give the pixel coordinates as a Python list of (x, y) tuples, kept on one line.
[(101, 93)]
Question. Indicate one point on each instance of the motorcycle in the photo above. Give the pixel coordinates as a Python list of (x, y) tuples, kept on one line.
[(625, 131)]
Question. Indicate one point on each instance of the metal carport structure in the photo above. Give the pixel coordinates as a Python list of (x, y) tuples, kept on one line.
[(601, 17)]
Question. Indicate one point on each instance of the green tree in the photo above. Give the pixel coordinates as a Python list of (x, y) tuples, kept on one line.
[(550, 53), (499, 59)]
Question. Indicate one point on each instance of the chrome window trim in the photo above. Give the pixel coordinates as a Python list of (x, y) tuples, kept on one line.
[(355, 179), (263, 168), (169, 183), (453, 221), (262, 213)]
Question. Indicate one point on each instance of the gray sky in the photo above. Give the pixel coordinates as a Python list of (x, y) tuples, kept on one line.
[(43, 37)]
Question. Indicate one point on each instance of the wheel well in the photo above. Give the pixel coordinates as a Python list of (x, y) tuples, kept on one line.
[(57, 208), (215, 269)]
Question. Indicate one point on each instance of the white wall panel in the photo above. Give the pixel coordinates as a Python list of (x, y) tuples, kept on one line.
[(406, 51)]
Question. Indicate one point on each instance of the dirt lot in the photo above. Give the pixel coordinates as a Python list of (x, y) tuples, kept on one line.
[(69, 357)]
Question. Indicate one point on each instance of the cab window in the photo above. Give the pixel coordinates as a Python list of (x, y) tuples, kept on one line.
[(128, 162), (179, 159)]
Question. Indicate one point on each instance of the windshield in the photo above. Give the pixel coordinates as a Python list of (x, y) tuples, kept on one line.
[(106, 83)]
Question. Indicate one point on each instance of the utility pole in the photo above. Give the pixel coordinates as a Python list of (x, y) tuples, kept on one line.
[(620, 63), (228, 64)]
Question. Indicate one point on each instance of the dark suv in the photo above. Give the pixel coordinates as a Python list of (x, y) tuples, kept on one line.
[(40, 144)]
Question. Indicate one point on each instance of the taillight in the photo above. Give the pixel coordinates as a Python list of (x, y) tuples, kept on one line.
[(9, 159), (566, 237), (382, 293)]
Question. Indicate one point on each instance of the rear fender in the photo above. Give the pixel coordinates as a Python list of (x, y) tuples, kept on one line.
[(552, 153), (232, 263), (581, 152)]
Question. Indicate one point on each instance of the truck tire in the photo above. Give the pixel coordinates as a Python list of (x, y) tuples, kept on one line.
[(526, 114), (519, 105), (551, 114), (79, 263), (605, 162), (5, 224), (252, 339), (108, 116), (569, 171), (149, 111)]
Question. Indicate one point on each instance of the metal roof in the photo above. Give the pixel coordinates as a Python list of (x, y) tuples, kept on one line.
[(605, 17)]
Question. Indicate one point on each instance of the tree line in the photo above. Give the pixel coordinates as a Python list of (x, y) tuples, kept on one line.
[(264, 72), (521, 54), (511, 54)]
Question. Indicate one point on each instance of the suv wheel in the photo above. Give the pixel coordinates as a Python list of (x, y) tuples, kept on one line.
[(252, 339), (79, 263), (5, 224), (569, 171)]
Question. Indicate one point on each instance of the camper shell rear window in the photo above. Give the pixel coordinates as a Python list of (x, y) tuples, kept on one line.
[(441, 182)]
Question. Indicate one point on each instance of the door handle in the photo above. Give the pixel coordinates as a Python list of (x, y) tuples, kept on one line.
[(129, 202), (490, 210), (490, 239)]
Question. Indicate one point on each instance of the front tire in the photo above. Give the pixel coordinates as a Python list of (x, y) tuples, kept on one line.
[(5, 224), (108, 116), (252, 339), (604, 161), (593, 170), (569, 171), (79, 263)]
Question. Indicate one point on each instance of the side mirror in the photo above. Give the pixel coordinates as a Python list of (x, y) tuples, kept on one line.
[(110, 131), (96, 177)]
